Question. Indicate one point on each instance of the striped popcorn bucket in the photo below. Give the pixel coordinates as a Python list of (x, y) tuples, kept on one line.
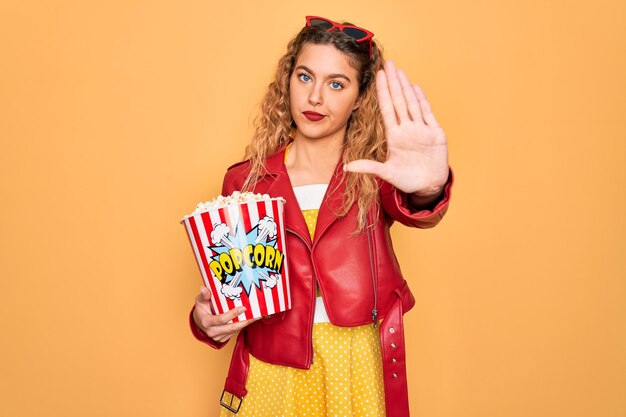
[(240, 250)]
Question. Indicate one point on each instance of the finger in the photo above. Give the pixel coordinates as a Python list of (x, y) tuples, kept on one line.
[(411, 98), (206, 293), (384, 100), (241, 324), (225, 332), (427, 113), (204, 298), (223, 338), (203, 305), (215, 321), (230, 315), (367, 167), (395, 89)]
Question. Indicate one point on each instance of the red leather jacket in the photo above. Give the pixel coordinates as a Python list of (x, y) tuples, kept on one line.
[(358, 275)]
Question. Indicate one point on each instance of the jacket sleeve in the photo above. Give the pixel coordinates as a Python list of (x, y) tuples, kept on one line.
[(396, 206)]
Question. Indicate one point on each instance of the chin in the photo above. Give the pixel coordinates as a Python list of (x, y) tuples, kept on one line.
[(313, 135)]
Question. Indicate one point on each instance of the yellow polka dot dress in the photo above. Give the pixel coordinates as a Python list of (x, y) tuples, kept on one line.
[(345, 378)]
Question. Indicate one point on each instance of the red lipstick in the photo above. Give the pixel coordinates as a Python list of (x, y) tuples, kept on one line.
[(313, 116)]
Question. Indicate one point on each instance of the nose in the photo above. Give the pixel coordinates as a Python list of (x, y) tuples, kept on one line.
[(315, 94)]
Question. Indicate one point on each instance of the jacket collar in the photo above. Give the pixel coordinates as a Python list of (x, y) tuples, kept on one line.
[(275, 182)]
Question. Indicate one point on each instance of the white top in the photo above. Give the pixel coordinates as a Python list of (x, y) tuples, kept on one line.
[(310, 198)]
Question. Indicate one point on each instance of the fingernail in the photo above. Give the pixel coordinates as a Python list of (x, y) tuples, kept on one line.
[(242, 310)]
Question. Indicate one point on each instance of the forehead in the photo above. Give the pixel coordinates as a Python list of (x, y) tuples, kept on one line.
[(325, 59)]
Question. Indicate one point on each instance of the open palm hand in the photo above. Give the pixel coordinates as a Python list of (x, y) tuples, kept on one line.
[(417, 159)]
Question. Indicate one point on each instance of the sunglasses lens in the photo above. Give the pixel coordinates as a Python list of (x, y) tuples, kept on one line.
[(355, 33), (321, 23)]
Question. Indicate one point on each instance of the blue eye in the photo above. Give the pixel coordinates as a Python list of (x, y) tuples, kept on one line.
[(336, 85), (304, 77)]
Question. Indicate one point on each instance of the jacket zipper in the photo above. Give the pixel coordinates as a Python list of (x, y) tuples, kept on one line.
[(369, 244), (313, 309)]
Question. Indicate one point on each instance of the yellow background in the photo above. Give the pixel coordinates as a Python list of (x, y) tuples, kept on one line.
[(117, 117)]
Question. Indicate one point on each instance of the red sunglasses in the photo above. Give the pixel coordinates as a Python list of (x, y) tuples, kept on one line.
[(355, 32)]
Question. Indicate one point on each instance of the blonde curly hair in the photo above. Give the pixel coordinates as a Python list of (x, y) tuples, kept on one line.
[(365, 137)]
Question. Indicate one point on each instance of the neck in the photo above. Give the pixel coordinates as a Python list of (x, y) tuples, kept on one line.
[(313, 161)]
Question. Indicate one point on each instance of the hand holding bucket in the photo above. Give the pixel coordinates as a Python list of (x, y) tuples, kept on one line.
[(218, 327)]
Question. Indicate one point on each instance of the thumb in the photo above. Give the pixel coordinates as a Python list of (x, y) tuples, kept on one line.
[(203, 300), (206, 294), (366, 167)]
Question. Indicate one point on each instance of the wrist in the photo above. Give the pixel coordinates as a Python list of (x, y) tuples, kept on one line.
[(430, 191), (418, 201)]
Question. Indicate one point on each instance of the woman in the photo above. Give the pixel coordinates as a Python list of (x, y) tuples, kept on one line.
[(352, 146)]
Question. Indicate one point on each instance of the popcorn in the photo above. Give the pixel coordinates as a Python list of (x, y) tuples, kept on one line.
[(237, 197)]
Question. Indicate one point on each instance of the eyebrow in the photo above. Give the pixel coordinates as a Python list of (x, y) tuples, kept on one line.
[(329, 76)]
